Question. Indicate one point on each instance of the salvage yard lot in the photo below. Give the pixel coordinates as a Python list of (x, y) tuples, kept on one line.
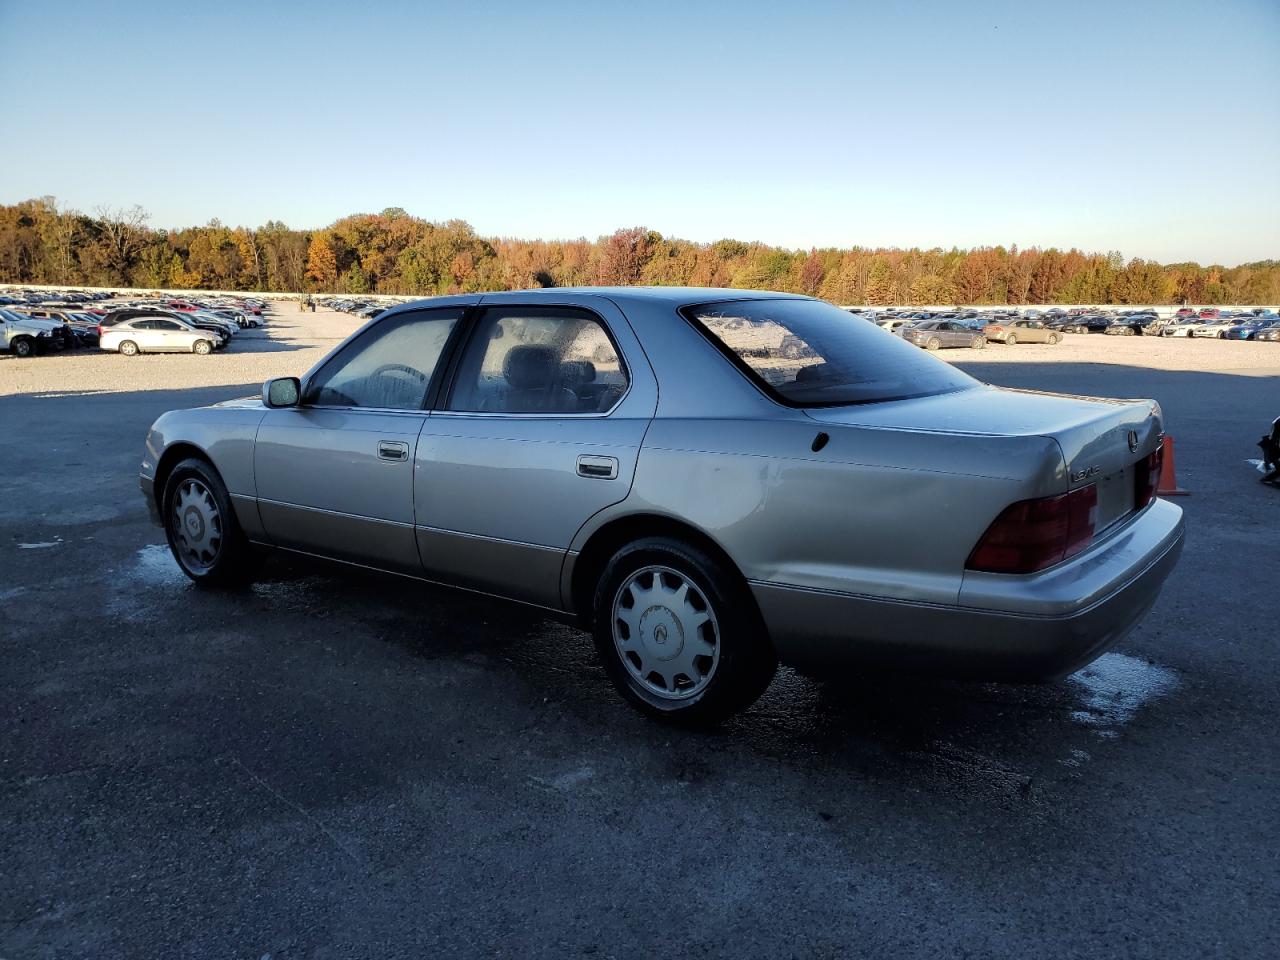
[(336, 765)]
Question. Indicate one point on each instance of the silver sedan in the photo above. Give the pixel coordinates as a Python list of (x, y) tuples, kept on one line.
[(711, 481)]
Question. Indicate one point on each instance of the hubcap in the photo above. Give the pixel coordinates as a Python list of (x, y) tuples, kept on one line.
[(666, 633), (197, 525)]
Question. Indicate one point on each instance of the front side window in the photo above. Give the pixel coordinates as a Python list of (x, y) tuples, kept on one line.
[(390, 366), (844, 359), (554, 360)]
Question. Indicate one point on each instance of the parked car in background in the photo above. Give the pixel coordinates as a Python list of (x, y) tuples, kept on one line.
[(1270, 334), (156, 333), (1024, 331), (1133, 325), (936, 334), (420, 446), (25, 336)]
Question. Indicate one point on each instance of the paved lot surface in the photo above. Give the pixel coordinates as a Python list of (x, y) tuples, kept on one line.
[(332, 765)]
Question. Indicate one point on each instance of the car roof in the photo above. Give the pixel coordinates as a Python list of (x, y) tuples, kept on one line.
[(675, 296)]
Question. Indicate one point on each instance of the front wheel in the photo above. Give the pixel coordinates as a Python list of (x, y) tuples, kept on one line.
[(679, 634), (1128, 331), (1053, 338), (202, 529), (202, 347), (22, 347), (1012, 339)]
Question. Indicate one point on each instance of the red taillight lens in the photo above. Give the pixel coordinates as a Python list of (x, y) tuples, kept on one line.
[(1147, 478), (99, 331), (1033, 534)]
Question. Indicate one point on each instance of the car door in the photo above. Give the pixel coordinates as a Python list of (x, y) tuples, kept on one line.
[(539, 431), (143, 333), (334, 475), (165, 334)]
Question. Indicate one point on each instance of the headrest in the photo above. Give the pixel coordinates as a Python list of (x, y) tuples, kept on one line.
[(531, 367), (577, 373), (814, 371)]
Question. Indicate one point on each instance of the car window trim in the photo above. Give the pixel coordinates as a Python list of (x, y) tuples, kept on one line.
[(442, 368), (446, 396)]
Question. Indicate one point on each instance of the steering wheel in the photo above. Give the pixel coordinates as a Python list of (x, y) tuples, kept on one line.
[(399, 368)]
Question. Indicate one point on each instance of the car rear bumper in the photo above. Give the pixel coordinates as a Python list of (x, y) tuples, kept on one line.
[(1003, 627)]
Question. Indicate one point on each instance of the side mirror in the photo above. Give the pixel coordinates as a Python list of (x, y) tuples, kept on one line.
[(281, 392)]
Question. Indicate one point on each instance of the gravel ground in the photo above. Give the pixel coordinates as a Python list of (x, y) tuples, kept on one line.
[(292, 341), (287, 345), (334, 764)]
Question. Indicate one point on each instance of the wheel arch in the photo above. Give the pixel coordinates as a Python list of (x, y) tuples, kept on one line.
[(611, 536), (174, 454)]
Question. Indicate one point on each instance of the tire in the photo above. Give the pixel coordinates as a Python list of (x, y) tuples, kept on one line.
[(22, 347), (202, 347), (978, 343), (201, 527), (716, 608), (1011, 339), (933, 344), (1053, 338), (128, 348), (1128, 331)]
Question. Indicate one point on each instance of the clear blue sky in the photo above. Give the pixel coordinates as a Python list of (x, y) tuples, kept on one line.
[(1151, 128)]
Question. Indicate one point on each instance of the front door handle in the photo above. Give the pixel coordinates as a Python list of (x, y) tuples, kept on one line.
[(598, 468), (393, 450)]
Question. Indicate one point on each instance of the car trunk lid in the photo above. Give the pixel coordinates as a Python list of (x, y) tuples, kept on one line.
[(1102, 441)]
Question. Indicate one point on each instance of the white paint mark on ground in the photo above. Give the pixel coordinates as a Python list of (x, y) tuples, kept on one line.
[(12, 593), (1114, 687), (566, 781), (44, 545)]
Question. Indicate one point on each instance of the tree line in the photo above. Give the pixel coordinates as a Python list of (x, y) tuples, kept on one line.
[(394, 253)]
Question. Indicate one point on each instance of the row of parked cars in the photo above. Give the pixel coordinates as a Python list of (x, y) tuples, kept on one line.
[(975, 329), (32, 324), (364, 309)]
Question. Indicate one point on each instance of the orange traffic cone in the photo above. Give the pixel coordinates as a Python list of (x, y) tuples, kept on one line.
[(1168, 486)]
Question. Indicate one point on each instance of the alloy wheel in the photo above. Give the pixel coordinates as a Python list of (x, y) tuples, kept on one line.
[(666, 633), (197, 526)]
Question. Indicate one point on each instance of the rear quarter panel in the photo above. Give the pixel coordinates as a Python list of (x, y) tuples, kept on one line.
[(885, 513)]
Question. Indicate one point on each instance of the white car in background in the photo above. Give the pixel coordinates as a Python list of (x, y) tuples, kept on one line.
[(23, 336), (1212, 327), (159, 334)]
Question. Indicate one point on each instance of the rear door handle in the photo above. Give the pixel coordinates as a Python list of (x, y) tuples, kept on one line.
[(598, 468), (393, 450)]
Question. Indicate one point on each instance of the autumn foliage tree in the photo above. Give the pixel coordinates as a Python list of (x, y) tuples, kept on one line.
[(322, 263), (394, 252)]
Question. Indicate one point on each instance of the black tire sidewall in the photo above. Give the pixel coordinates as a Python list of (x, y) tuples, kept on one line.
[(747, 662), (233, 564)]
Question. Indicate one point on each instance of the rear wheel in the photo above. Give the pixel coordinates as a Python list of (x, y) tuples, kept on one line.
[(128, 348), (202, 347), (1053, 338), (22, 347), (977, 343), (679, 634), (1011, 339), (934, 343), (201, 527)]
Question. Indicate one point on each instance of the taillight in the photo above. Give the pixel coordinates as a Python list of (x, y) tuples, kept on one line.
[(1147, 478), (99, 331), (1033, 534)]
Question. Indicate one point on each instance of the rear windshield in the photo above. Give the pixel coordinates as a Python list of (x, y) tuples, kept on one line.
[(807, 353)]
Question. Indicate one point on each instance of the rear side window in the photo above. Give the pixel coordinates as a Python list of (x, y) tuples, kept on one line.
[(808, 353), (550, 360)]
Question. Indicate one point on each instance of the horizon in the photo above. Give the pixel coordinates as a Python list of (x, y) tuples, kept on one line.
[(927, 127)]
